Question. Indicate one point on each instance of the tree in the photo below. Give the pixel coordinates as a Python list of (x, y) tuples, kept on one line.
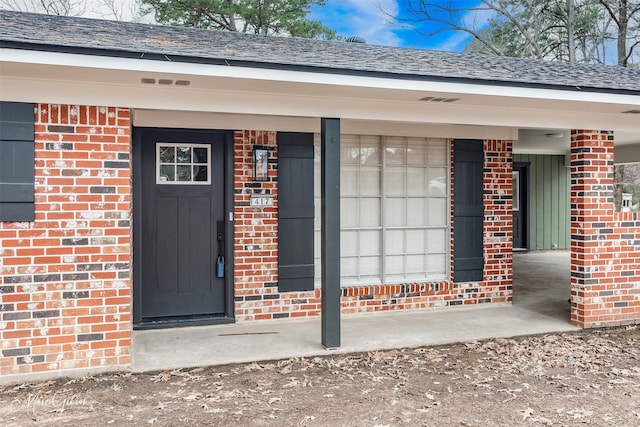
[(119, 10), (268, 17), (626, 17), (565, 30), (50, 7)]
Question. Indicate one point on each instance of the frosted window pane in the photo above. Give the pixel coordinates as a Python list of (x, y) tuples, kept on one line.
[(416, 212), (317, 180), (370, 150), (349, 213), (349, 243), (370, 182), (416, 264), (396, 181), (437, 212), (417, 182), (317, 243), (395, 212), (317, 211), (394, 242), (370, 212), (437, 153), (317, 268), (415, 241), (349, 181), (349, 150), (396, 151), (417, 152), (436, 264), (349, 267), (370, 266), (369, 243), (436, 241), (437, 182), (394, 265)]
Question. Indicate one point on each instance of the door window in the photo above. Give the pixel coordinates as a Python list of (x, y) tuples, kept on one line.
[(182, 163)]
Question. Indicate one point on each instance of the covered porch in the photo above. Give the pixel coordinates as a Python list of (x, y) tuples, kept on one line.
[(541, 307)]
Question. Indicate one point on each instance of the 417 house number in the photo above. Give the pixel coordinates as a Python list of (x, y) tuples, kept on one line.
[(261, 201)]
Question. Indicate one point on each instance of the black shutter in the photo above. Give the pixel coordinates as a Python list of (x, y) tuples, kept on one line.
[(295, 212), (468, 212), (17, 161)]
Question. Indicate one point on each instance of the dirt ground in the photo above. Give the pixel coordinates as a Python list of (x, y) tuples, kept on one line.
[(583, 378)]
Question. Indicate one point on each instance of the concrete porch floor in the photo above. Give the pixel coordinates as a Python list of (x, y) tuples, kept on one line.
[(541, 290)]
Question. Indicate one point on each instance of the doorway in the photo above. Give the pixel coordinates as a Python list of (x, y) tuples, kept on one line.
[(520, 206), (183, 252)]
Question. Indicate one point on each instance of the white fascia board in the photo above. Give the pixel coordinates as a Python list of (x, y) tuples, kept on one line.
[(309, 77)]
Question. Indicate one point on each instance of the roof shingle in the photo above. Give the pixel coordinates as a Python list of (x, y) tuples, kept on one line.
[(111, 38)]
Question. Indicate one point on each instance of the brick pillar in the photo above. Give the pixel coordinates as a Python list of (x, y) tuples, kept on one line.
[(498, 221), (591, 208)]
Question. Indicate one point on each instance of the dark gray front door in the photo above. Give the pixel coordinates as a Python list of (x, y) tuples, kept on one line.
[(181, 225), (520, 199)]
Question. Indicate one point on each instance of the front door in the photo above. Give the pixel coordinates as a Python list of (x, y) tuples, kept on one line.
[(180, 234), (520, 198)]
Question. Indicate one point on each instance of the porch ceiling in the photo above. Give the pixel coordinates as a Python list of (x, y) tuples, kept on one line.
[(70, 78)]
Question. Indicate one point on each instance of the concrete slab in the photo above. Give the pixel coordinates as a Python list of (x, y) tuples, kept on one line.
[(541, 288), (224, 344)]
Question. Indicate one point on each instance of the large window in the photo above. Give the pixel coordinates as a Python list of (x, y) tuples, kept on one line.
[(394, 209)]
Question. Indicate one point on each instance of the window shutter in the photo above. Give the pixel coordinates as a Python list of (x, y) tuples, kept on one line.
[(17, 161), (295, 212), (468, 213)]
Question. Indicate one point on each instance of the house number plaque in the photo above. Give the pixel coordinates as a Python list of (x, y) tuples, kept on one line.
[(260, 201)]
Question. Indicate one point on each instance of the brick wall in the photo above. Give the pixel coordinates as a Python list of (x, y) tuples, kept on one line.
[(64, 279), (605, 245), (256, 241)]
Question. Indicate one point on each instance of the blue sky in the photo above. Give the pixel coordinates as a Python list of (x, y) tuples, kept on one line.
[(365, 18)]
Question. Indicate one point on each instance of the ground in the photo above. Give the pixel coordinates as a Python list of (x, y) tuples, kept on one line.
[(588, 377)]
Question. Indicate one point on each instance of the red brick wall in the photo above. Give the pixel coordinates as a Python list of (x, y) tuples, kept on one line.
[(64, 279), (256, 241), (605, 245)]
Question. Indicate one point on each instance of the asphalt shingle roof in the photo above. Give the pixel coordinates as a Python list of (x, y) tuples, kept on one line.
[(111, 38)]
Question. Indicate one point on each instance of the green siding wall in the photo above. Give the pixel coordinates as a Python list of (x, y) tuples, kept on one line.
[(549, 199)]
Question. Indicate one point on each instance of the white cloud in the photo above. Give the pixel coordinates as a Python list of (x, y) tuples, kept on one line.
[(363, 18)]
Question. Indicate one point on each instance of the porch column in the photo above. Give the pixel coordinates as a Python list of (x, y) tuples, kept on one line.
[(591, 210), (330, 231)]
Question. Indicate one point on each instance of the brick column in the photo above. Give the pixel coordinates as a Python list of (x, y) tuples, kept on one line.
[(605, 245), (591, 205), (498, 221)]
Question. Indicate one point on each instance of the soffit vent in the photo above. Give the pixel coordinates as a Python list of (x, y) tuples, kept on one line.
[(436, 99), (164, 82)]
